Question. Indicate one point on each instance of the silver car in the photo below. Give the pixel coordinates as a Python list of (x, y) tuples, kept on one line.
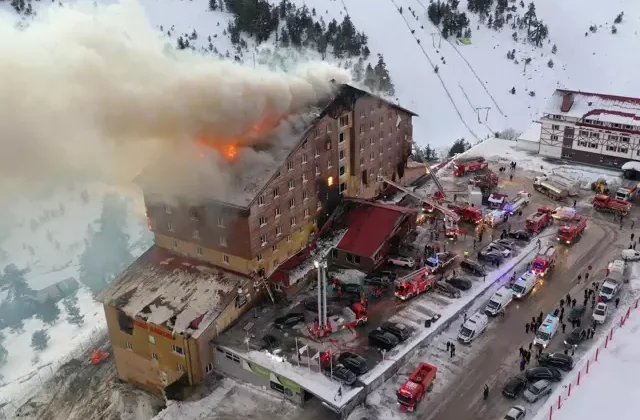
[(517, 412), (537, 390)]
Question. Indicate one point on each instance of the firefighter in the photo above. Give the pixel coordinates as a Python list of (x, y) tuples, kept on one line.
[(466, 252)]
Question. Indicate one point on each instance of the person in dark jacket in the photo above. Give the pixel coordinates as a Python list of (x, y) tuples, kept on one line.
[(526, 327), (617, 302), (485, 393), (523, 363), (564, 327), (573, 303)]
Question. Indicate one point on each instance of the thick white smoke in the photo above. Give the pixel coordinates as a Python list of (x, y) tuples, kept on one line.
[(94, 92)]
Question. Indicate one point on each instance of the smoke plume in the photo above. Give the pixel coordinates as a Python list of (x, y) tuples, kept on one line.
[(94, 92)]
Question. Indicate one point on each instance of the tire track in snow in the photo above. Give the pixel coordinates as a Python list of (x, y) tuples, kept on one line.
[(468, 64), (433, 67)]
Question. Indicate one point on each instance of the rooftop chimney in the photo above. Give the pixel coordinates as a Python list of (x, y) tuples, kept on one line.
[(567, 102)]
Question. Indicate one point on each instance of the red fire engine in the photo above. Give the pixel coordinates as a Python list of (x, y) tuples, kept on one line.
[(462, 166), (467, 213), (350, 318), (605, 203), (544, 261), (571, 231), (539, 220), (487, 180), (419, 383), (415, 283)]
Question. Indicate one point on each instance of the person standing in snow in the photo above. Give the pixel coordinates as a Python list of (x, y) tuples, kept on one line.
[(523, 363), (526, 327), (617, 302), (485, 393)]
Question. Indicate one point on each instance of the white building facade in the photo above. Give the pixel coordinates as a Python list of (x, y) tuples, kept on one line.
[(591, 128)]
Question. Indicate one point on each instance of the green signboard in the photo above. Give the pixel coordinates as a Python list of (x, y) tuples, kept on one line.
[(260, 371), (287, 383)]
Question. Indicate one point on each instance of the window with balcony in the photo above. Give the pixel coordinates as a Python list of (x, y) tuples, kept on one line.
[(290, 165), (260, 201), (262, 221), (276, 192), (277, 211), (292, 203), (223, 241), (293, 221), (263, 240), (292, 184), (278, 230)]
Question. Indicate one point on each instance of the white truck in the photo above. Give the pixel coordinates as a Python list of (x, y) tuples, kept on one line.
[(570, 184), (516, 203)]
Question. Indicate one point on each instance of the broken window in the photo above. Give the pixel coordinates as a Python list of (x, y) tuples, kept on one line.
[(125, 322)]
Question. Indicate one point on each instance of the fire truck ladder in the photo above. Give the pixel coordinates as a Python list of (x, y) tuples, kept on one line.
[(447, 212), (435, 179)]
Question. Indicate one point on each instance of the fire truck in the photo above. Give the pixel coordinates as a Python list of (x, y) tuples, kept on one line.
[(516, 203), (469, 214), (487, 180), (351, 317), (626, 193), (571, 231), (413, 284), (495, 218), (544, 261), (538, 220), (451, 229), (419, 383), (464, 165), (605, 203)]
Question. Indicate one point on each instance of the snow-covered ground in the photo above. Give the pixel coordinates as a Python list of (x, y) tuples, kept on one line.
[(597, 386), (49, 236)]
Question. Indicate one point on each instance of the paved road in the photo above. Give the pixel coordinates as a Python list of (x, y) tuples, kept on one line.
[(462, 399)]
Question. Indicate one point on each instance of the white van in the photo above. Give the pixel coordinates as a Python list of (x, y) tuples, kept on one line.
[(611, 286), (525, 283), (616, 266), (473, 327), (499, 301), (547, 330)]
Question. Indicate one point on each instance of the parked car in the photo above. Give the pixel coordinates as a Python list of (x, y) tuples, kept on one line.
[(377, 281), (537, 390), (398, 329), (576, 313), (460, 283), (575, 337), (289, 320), (354, 362), (520, 235), (556, 360), (270, 344), (496, 247), (473, 267), (600, 312), (403, 261), (630, 255), (446, 289), (382, 340), (514, 386), (517, 412), (507, 243), (546, 373), (342, 375), (490, 255), (351, 289)]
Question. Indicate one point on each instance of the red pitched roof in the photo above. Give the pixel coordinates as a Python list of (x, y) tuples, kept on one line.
[(369, 226)]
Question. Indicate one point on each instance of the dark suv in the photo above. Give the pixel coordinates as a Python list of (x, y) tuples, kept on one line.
[(514, 386), (289, 320), (490, 255), (354, 362), (473, 267), (382, 340), (396, 328), (446, 289), (539, 373), (556, 360)]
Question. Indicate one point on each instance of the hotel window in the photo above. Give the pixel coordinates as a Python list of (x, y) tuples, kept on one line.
[(371, 125), (613, 138), (178, 350), (260, 203), (290, 165), (263, 240), (174, 243), (278, 230), (381, 135), (193, 215), (317, 152), (555, 127), (208, 368), (554, 137), (341, 138), (342, 154), (293, 221), (152, 339), (199, 250), (274, 248), (292, 184), (343, 187), (288, 238), (225, 259), (306, 213), (362, 129), (223, 241), (221, 220), (167, 209), (329, 164), (344, 121), (170, 226), (292, 203), (196, 234), (262, 221), (154, 356), (259, 257), (305, 158), (277, 211), (276, 192), (180, 368), (343, 170), (305, 195), (129, 346), (329, 127), (305, 178)]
